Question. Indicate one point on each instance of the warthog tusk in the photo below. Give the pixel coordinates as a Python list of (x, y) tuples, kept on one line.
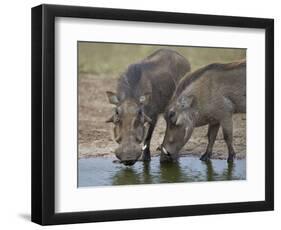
[(165, 151), (144, 147)]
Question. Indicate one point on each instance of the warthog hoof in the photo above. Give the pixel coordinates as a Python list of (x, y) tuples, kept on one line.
[(205, 157), (231, 158)]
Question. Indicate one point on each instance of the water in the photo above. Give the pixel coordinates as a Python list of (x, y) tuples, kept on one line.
[(102, 171)]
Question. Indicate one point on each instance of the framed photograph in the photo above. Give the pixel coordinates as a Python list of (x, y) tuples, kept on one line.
[(141, 114)]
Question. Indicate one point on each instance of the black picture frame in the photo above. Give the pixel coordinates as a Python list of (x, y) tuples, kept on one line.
[(43, 114)]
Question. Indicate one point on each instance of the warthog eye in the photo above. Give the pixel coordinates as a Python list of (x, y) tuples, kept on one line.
[(116, 116), (172, 116)]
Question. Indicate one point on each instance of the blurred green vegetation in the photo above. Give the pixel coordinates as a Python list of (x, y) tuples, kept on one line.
[(112, 59)]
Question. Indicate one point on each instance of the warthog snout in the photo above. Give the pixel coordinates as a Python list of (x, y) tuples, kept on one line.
[(128, 163), (128, 154), (167, 156)]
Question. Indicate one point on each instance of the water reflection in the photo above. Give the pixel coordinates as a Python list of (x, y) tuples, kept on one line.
[(101, 171), (209, 170), (148, 173), (171, 172), (147, 177), (126, 176), (228, 172)]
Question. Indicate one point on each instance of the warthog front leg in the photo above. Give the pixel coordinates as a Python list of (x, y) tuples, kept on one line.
[(227, 128), (146, 147), (212, 135)]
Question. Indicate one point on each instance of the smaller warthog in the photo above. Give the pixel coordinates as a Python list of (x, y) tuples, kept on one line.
[(143, 92), (210, 95)]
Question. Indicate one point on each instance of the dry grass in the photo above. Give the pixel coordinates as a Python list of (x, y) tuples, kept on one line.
[(112, 59)]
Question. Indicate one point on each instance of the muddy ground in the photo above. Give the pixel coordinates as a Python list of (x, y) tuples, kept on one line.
[(95, 136)]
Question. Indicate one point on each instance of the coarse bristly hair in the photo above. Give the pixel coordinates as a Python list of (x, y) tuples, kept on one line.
[(189, 78), (129, 80)]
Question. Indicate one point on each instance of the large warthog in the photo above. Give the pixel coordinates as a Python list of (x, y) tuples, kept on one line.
[(143, 92), (208, 96)]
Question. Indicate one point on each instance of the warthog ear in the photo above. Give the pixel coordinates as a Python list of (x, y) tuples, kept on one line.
[(111, 119), (186, 101), (112, 97), (144, 99)]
